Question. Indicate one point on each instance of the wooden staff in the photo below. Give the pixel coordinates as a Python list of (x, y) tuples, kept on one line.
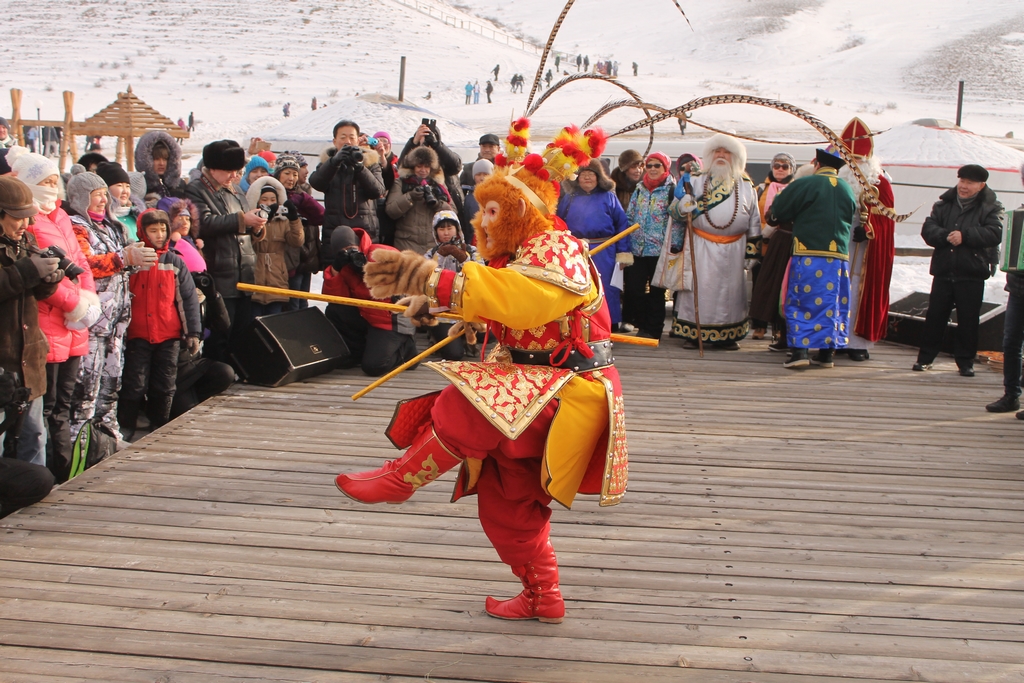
[(395, 308), (612, 240), (693, 269)]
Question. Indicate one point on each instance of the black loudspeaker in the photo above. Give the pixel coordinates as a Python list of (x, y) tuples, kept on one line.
[(906, 323), (286, 347)]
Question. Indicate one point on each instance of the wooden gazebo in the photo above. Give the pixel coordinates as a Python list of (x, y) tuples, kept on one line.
[(126, 118)]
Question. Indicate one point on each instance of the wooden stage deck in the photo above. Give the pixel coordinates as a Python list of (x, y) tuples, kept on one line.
[(859, 524)]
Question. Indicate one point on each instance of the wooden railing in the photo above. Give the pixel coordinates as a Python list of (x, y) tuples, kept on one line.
[(463, 22)]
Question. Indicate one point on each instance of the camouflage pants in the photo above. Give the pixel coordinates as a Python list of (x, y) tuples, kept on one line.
[(99, 380)]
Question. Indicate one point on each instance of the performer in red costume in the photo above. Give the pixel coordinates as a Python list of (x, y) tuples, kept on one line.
[(542, 419), (872, 244)]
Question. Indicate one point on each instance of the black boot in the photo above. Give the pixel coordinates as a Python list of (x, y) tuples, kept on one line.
[(127, 417), (797, 359), (158, 409), (825, 358), (1007, 404)]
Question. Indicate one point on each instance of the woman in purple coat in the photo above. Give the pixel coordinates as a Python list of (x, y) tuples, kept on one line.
[(592, 211)]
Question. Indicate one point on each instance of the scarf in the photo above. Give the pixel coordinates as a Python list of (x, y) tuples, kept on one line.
[(653, 185), (96, 217), (45, 196)]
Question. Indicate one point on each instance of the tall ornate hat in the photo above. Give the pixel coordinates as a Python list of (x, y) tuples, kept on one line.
[(539, 175), (858, 140)]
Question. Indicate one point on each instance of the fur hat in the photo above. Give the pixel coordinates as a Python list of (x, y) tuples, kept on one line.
[(421, 156), (80, 187), (223, 155), (16, 198), (629, 158), (973, 172), (733, 145), (176, 207), (604, 183), (260, 185), (112, 173), (91, 159)]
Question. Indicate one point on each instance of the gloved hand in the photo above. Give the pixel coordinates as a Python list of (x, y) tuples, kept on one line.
[(681, 186), (138, 254), (85, 313), (193, 345), (416, 193), (418, 310), (860, 234), (624, 258), (45, 266), (767, 231), (397, 273), (453, 250), (686, 204), (293, 211), (470, 330)]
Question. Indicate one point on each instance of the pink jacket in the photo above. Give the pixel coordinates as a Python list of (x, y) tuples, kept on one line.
[(55, 228)]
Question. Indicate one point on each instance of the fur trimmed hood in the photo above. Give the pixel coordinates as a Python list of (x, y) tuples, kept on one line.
[(144, 156), (370, 157), (604, 183), (737, 148), (252, 195), (176, 207)]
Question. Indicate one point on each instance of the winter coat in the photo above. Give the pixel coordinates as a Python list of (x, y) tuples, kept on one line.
[(230, 256), (164, 301), (982, 230), (451, 166), (279, 234), (306, 258), (55, 228), (103, 245), (595, 217), (349, 283), (23, 346), (623, 186), (350, 195), (650, 210), (413, 218), (169, 184)]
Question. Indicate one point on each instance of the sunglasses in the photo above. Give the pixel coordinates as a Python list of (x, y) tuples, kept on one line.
[(654, 166), (780, 166)]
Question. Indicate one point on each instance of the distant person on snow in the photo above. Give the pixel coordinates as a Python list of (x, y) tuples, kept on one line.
[(287, 109), (579, 61), (476, 92), (547, 78), (635, 67), (586, 63), (312, 105), (469, 92), (489, 89), (191, 122), (496, 69)]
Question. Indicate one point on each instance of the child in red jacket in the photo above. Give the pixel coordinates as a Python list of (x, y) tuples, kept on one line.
[(164, 310)]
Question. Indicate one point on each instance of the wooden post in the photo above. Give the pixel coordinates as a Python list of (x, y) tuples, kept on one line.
[(67, 140), (401, 82), (119, 150), (130, 139), (960, 103), (16, 116)]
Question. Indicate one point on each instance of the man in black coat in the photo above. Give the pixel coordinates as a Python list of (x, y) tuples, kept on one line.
[(964, 228), (490, 145), (228, 229), (451, 163), (350, 177)]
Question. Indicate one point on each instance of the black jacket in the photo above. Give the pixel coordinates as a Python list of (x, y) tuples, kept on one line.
[(451, 165), (350, 196), (218, 228), (981, 227)]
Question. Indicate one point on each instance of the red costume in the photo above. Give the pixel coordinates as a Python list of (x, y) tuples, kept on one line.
[(871, 272), (543, 417)]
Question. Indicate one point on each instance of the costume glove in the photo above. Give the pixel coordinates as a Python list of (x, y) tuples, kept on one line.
[(625, 258), (418, 310), (686, 204), (394, 273)]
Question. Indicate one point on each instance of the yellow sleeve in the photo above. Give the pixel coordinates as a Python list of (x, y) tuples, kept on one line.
[(512, 299)]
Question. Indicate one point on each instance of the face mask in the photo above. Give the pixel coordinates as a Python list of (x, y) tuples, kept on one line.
[(121, 211), (45, 196)]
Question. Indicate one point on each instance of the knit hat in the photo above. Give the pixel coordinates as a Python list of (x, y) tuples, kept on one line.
[(16, 198), (267, 156), (383, 134), (3, 122), (286, 160), (223, 155), (79, 189), (137, 181), (483, 166), (788, 158), (629, 158), (14, 152), (660, 156), (112, 173), (33, 168), (255, 162), (973, 172), (446, 215)]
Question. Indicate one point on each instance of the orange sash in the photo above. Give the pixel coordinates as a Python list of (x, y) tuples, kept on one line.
[(718, 239)]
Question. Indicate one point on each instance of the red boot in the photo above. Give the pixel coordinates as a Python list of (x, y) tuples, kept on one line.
[(425, 460), (540, 598)]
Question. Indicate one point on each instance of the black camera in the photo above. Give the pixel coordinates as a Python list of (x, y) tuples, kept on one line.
[(14, 397), (353, 155), (429, 196), (70, 268), (432, 137), (350, 256)]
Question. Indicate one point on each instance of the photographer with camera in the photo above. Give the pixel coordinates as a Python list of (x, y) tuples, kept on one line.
[(67, 314), (350, 178), (418, 194), (26, 276), (378, 341), (428, 135), (228, 228)]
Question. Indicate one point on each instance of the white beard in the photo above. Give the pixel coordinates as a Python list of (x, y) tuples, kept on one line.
[(870, 167), (722, 173)]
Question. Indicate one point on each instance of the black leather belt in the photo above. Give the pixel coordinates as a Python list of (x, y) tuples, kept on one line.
[(576, 362)]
